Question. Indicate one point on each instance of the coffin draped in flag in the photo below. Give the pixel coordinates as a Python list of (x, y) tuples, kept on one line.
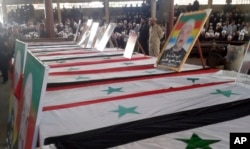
[(102, 100), (110, 114)]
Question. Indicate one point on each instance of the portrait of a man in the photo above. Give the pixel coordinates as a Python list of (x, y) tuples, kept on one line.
[(182, 39), (25, 116), (176, 53)]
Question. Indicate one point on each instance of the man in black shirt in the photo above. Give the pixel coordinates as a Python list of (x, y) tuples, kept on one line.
[(144, 35), (5, 56)]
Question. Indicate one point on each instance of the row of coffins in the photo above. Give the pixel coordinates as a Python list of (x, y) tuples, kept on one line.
[(73, 97)]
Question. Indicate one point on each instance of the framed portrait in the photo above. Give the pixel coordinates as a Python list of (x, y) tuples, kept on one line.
[(182, 39)]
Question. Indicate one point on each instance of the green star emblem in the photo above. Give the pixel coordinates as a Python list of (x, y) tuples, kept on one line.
[(128, 63), (111, 90), (195, 142), (225, 93), (193, 79), (150, 72), (82, 78), (60, 61), (123, 110), (72, 68)]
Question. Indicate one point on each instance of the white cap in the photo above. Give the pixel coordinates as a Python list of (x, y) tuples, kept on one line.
[(217, 34), (224, 31)]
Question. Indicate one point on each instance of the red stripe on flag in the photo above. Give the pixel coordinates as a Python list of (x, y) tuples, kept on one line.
[(96, 62), (106, 70), (102, 82), (140, 94)]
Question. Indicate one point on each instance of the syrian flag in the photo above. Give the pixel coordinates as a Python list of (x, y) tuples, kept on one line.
[(95, 60), (69, 52), (214, 136), (105, 74), (55, 95), (84, 55), (107, 67), (110, 115)]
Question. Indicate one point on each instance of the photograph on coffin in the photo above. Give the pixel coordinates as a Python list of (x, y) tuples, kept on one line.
[(85, 32), (243, 76), (93, 31), (182, 39), (234, 57), (106, 37), (130, 46)]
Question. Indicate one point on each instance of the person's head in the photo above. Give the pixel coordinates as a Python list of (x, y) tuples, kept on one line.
[(229, 38), (15, 29), (41, 27), (223, 33), (152, 21), (216, 35), (184, 33), (143, 19)]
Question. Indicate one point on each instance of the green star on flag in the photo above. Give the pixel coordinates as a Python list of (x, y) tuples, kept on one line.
[(128, 63), (111, 90), (123, 110), (61, 61), (225, 93), (193, 79), (82, 78), (72, 68), (150, 72), (195, 142)]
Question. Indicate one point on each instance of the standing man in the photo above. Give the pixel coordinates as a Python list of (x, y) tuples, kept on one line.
[(144, 35), (155, 35), (196, 5), (5, 57)]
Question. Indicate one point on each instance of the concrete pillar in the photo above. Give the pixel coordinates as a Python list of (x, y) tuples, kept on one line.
[(153, 8), (59, 13), (106, 8), (4, 12), (49, 19), (209, 5), (170, 23)]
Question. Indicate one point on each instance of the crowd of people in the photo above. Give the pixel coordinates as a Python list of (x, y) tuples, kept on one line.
[(224, 25), (232, 25)]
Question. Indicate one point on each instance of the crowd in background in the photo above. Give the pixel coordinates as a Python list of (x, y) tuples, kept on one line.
[(224, 25), (228, 24)]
